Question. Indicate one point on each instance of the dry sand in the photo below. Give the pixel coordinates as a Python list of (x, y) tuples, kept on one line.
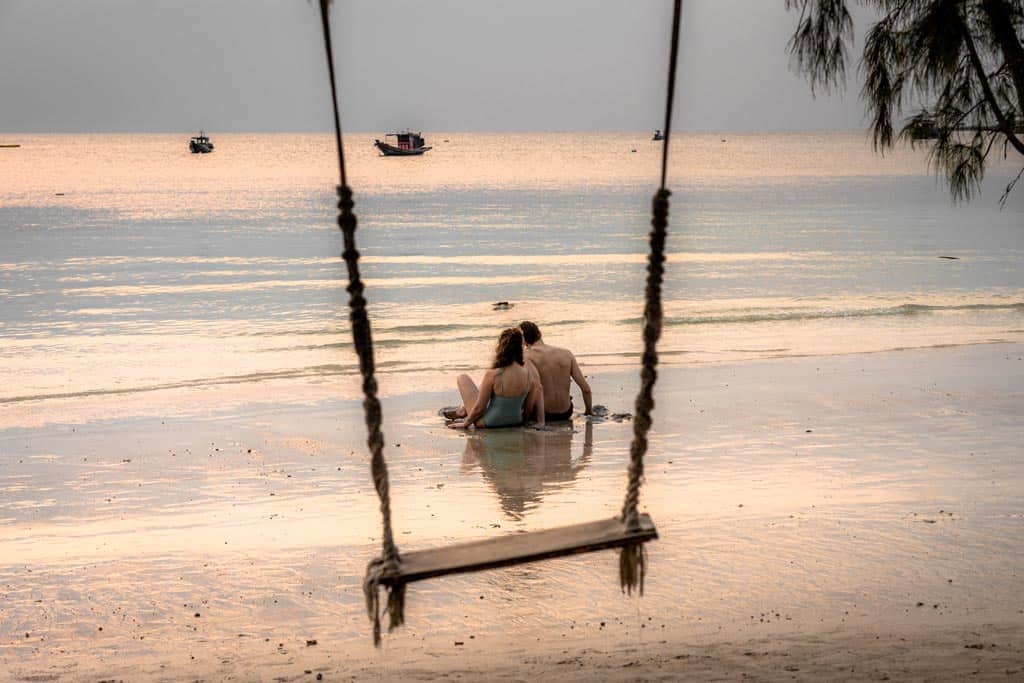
[(987, 652), (943, 655)]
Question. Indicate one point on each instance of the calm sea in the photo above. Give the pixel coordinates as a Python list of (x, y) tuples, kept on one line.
[(130, 266)]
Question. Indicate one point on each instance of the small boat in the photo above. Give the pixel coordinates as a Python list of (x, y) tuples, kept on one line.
[(409, 144), (657, 136), (200, 144), (10, 146)]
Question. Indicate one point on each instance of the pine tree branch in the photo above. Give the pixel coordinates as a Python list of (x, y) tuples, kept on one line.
[(1005, 125), (1000, 19)]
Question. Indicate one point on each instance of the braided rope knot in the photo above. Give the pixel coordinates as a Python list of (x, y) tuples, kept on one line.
[(362, 337), (633, 558), (649, 374)]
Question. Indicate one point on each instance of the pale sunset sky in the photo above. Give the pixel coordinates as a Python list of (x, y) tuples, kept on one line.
[(441, 65)]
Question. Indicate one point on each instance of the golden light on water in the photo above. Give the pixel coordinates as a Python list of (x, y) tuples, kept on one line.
[(248, 171)]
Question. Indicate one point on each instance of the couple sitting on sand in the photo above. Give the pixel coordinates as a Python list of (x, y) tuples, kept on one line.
[(522, 382)]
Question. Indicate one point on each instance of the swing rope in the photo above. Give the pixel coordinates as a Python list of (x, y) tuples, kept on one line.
[(632, 561), (633, 558), (363, 340)]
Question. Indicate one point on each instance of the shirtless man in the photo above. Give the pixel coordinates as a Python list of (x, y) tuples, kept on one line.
[(556, 366)]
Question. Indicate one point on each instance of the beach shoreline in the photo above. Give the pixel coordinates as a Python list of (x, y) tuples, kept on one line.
[(879, 492)]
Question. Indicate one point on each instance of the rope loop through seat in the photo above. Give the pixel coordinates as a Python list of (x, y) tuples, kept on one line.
[(633, 557), (363, 340)]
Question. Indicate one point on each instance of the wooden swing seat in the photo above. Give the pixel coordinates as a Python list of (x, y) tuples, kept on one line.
[(519, 548)]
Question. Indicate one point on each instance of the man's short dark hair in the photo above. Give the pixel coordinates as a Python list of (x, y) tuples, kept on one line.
[(531, 333)]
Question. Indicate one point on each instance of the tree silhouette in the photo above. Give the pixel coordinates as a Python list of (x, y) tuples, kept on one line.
[(955, 66)]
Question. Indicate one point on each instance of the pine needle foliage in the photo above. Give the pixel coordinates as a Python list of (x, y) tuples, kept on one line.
[(949, 74)]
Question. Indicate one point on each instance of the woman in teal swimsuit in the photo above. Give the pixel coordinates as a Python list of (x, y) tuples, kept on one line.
[(508, 390)]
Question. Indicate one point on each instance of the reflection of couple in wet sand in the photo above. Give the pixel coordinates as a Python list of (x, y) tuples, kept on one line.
[(528, 381), (524, 465)]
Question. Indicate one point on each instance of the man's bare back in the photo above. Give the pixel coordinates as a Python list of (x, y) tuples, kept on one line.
[(556, 367)]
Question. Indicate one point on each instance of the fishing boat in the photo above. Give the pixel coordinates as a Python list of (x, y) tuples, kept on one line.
[(200, 144), (658, 136), (409, 144)]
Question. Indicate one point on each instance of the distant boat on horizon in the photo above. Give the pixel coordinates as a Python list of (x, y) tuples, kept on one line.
[(409, 144), (657, 136), (200, 144)]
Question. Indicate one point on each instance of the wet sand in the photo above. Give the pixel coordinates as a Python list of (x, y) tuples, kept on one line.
[(838, 517)]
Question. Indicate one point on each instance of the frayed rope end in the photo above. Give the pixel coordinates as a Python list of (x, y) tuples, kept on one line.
[(395, 599), (632, 568)]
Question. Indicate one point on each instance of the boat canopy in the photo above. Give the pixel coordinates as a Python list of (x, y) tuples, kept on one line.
[(407, 139)]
